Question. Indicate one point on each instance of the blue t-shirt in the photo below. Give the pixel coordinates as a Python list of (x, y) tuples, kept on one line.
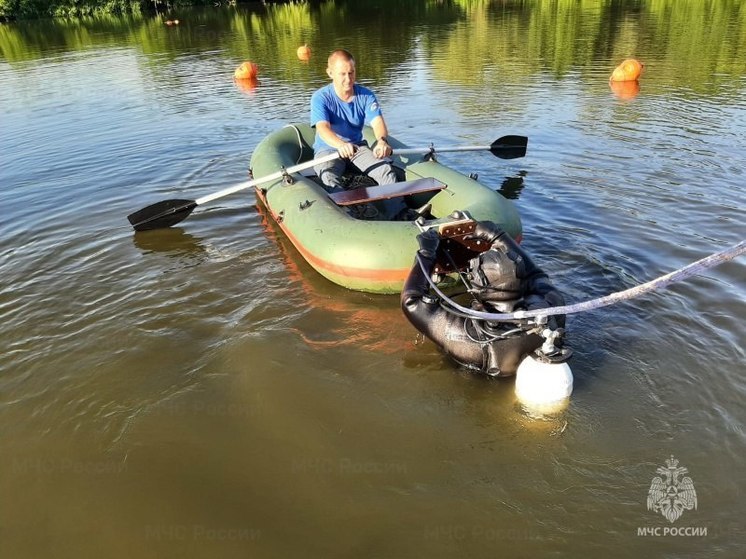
[(346, 119)]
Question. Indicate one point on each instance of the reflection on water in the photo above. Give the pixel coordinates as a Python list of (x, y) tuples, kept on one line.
[(625, 91), (354, 321), (248, 86), (231, 402), (483, 40), (511, 186)]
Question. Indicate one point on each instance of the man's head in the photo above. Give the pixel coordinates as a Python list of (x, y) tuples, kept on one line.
[(341, 69)]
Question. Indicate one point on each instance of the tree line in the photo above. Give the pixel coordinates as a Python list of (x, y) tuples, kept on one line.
[(30, 9)]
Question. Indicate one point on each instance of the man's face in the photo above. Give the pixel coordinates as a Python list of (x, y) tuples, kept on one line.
[(342, 73)]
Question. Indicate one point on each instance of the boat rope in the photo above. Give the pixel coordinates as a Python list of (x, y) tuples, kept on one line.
[(300, 142), (659, 283)]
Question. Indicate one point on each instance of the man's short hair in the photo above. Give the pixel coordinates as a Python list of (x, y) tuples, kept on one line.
[(340, 53)]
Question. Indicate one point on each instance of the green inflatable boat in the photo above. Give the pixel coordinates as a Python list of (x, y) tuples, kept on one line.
[(341, 235)]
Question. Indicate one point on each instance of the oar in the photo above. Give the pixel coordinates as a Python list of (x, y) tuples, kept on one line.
[(507, 147), (170, 212)]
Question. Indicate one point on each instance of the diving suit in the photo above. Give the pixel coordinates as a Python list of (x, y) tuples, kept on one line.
[(502, 279)]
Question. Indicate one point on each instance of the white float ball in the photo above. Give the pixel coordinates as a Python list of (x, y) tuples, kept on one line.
[(543, 387)]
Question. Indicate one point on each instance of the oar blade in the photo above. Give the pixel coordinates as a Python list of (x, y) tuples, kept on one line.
[(161, 214), (509, 147)]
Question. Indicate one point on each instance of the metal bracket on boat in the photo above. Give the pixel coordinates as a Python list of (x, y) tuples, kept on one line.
[(305, 205), (286, 178), (280, 216), (251, 174), (430, 155), (473, 176)]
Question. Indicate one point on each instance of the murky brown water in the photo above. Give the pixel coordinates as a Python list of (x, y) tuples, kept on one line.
[(201, 392)]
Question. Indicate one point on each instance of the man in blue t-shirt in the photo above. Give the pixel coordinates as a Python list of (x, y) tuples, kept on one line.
[(338, 112)]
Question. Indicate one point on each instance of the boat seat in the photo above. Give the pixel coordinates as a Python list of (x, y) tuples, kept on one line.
[(367, 194)]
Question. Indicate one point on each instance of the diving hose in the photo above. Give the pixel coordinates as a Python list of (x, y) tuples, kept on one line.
[(659, 283)]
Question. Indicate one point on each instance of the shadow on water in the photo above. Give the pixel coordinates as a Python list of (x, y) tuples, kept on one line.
[(172, 241), (511, 187)]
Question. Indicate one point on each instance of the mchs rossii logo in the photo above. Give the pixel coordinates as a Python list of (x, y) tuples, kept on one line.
[(670, 494)]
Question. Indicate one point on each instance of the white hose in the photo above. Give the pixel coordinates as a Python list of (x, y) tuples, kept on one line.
[(658, 283)]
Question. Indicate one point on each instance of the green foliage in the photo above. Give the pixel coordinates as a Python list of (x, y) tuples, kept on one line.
[(28, 9), (25, 9)]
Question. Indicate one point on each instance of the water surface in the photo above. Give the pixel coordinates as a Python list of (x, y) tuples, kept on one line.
[(202, 392)]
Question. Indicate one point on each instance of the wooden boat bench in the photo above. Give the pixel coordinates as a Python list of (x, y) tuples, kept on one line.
[(367, 194)]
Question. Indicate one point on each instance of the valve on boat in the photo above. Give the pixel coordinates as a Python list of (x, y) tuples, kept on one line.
[(286, 178), (430, 155)]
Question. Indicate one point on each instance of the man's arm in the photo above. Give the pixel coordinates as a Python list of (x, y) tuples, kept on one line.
[(381, 131), (416, 285), (345, 149), (425, 313)]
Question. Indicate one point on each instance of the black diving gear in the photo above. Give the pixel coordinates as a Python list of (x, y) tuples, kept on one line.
[(503, 279)]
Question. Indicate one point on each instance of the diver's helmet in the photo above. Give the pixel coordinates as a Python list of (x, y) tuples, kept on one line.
[(496, 279)]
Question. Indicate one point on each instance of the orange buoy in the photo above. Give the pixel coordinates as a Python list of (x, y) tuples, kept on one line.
[(629, 70), (304, 52), (246, 71)]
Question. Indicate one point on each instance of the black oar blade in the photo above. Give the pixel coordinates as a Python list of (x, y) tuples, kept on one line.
[(161, 214), (509, 147)]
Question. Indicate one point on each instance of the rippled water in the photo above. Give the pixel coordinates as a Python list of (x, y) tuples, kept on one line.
[(201, 391)]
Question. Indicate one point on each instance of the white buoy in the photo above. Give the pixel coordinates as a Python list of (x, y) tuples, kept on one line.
[(543, 387)]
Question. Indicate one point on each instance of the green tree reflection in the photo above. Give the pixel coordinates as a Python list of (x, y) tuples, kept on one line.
[(468, 43)]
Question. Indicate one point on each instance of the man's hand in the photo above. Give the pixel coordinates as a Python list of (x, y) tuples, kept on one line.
[(486, 231), (429, 241), (347, 150), (382, 149)]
